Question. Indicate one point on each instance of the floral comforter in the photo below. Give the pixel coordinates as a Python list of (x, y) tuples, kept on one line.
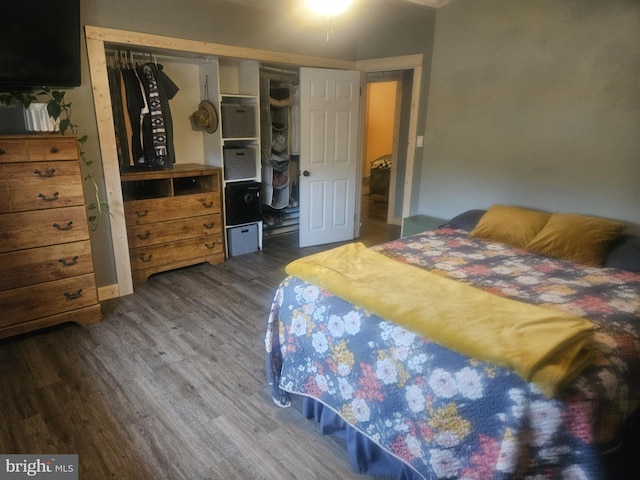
[(447, 415)]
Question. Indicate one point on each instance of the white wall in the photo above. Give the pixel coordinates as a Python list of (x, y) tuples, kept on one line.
[(187, 139), (536, 104)]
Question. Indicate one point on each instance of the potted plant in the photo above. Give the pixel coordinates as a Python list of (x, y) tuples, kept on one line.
[(59, 111)]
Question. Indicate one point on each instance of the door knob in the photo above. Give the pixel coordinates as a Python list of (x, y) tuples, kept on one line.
[(306, 173)]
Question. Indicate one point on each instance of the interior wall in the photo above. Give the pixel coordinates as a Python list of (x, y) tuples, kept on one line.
[(534, 104), (187, 138), (387, 28)]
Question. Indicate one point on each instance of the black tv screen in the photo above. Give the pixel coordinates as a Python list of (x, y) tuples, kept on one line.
[(39, 44)]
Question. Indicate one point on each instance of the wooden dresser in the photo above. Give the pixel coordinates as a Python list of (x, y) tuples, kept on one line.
[(46, 263), (173, 217)]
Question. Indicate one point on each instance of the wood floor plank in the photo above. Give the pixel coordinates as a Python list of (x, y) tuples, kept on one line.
[(170, 385)]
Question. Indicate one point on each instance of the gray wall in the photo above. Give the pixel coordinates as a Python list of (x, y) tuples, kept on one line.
[(534, 103), (387, 28)]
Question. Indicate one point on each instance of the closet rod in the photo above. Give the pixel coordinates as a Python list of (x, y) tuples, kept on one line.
[(148, 55), (267, 70)]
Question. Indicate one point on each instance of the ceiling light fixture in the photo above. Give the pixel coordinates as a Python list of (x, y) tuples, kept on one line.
[(329, 9)]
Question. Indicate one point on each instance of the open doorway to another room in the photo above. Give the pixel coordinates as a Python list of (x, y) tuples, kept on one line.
[(382, 133)]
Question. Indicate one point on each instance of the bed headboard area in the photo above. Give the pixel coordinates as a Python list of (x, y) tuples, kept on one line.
[(589, 240)]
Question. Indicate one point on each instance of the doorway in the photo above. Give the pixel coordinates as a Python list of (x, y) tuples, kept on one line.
[(385, 130)]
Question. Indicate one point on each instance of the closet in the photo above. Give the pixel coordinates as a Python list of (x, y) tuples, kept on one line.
[(172, 114), (279, 149), (232, 74)]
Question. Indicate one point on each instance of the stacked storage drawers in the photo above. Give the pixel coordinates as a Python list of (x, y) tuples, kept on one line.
[(46, 263), (173, 218)]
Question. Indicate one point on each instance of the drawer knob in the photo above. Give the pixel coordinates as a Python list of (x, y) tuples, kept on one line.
[(207, 205), (208, 226), (1, 151), (63, 227), (48, 173), (73, 296), (66, 263), (48, 199), (141, 214), (143, 236), (210, 246), (144, 259), (54, 150)]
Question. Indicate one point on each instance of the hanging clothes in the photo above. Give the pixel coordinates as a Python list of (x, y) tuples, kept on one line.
[(157, 125), (120, 116), (137, 107), (278, 137), (140, 96)]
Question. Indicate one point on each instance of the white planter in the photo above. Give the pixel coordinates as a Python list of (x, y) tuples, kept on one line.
[(36, 119)]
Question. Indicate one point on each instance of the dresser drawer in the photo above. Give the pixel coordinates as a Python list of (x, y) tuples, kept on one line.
[(45, 299), (13, 150), (139, 212), (171, 230), (156, 255), (54, 196), (53, 148), (37, 185), (45, 264), (36, 174), (42, 227)]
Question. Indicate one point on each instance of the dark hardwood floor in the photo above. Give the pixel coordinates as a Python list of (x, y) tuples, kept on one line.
[(171, 384)]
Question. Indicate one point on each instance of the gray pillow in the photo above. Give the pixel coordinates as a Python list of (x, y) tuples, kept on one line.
[(466, 220), (624, 254)]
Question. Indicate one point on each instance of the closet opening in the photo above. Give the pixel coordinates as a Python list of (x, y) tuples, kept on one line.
[(279, 150)]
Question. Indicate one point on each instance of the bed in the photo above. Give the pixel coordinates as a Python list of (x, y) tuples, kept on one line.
[(380, 175), (411, 407)]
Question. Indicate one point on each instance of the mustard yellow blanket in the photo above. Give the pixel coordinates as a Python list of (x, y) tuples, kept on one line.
[(543, 346)]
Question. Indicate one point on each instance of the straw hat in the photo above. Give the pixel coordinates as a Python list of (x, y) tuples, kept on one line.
[(206, 116)]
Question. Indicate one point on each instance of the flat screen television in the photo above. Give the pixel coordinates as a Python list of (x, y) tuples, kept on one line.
[(39, 44)]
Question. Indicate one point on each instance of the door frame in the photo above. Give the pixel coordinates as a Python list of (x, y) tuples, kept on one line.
[(390, 64), (396, 76)]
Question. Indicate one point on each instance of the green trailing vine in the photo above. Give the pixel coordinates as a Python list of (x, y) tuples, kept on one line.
[(59, 110)]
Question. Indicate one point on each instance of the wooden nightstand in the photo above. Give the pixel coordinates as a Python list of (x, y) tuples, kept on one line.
[(420, 223)]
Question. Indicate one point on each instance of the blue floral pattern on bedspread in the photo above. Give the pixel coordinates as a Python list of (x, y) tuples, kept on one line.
[(445, 414)]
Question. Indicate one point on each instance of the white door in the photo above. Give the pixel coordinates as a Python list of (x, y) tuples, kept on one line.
[(329, 149)]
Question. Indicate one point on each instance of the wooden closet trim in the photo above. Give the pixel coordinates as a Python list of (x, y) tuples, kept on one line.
[(406, 62)]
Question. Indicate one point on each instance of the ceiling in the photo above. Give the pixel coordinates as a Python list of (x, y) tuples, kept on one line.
[(430, 3), (269, 4)]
